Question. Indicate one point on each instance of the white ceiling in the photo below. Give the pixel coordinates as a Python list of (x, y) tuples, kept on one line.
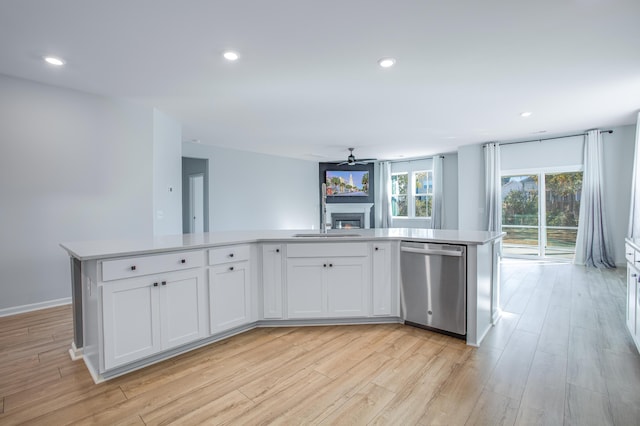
[(308, 85)]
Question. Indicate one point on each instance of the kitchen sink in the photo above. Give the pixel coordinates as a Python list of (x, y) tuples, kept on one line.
[(330, 235)]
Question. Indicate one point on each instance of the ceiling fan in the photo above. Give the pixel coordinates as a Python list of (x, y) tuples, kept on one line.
[(351, 159)]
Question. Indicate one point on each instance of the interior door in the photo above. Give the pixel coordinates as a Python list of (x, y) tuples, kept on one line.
[(196, 203)]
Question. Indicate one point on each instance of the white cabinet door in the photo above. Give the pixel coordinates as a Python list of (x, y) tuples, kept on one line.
[(636, 312), (272, 280), (229, 296), (632, 285), (144, 316), (382, 288), (305, 288), (328, 287), (346, 280), (183, 308), (131, 320)]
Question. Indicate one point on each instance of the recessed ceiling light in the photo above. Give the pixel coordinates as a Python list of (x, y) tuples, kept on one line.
[(230, 56), (387, 62), (54, 61), (525, 114)]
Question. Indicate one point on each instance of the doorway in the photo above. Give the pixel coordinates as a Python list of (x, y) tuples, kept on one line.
[(195, 195), (196, 203), (541, 226)]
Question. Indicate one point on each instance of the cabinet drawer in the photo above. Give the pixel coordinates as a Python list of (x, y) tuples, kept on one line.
[(327, 249), (146, 265), (228, 254), (629, 253)]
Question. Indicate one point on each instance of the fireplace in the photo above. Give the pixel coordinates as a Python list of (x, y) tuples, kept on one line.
[(358, 212), (347, 220)]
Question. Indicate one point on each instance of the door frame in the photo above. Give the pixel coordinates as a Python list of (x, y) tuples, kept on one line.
[(541, 172)]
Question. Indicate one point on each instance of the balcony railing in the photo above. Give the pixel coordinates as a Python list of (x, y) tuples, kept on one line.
[(524, 240)]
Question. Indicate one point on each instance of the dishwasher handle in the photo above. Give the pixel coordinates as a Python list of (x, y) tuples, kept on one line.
[(455, 253)]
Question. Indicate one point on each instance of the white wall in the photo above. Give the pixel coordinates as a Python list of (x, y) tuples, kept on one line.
[(257, 191), (617, 168), (73, 166), (471, 214), (554, 153), (450, 191), (167, 175)]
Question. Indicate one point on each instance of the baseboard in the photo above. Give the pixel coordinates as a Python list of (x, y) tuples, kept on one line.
[(496, 316), (34, 307), (74, 352)]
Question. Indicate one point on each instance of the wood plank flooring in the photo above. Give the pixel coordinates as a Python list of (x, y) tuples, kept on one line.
[(560, 355)]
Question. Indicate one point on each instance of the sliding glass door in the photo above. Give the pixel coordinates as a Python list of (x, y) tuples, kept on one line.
[(541, 226)]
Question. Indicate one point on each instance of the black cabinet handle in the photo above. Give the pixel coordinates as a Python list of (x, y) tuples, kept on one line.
[(230, 254), (331, 265), (231, 268), (155, 284), (277, 250), (376, 249), (133, 267), (164, 283), (324, 266), (183, 260)]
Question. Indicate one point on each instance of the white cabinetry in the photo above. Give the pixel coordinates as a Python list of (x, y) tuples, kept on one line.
[(131, 312), (328, 280), (146, 315), (348, 287), (632, 299), (306, 292), (633, 292), (229, 287), (272, 281), (383, 296)]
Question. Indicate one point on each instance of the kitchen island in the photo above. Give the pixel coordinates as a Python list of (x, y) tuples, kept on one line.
[(137, 302)]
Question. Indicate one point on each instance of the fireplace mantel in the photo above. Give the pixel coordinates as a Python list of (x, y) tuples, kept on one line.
[(350, 208)]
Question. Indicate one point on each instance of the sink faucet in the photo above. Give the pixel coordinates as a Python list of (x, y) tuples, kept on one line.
[(323, 215)]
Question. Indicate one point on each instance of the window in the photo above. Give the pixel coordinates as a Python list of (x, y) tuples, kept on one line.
[(422, 193), (420, 189), (399, 183)]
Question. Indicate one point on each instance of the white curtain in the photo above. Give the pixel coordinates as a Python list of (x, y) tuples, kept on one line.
[(437, 205), (592, 242), (634, 211), (493, 194), (385, 194)]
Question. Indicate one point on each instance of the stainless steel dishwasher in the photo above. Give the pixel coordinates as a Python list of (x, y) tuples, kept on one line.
[(434, 286)]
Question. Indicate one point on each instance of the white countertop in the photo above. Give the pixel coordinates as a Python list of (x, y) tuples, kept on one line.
[(87, 250), (635, 242)]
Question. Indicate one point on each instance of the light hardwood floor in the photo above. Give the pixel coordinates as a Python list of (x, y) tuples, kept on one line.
[(560, 355)]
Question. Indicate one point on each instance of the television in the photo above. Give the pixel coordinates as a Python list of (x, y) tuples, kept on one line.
[(347, 183)]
